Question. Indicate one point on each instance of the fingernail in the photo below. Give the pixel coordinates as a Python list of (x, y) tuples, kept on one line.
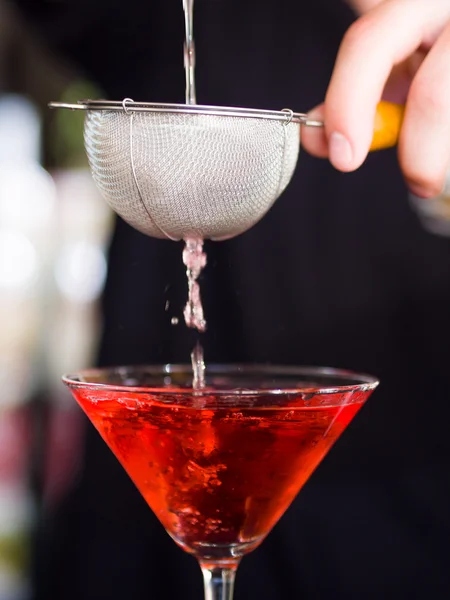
[(341, 154)]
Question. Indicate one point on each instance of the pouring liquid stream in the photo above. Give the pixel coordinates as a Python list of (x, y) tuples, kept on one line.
[(198, 367), (194, 258), (189, 51)]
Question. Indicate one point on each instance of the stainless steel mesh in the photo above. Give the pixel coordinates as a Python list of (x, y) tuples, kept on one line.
[(178, 175)]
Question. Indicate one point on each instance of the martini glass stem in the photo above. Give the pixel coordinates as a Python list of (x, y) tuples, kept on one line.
[(219, 581)]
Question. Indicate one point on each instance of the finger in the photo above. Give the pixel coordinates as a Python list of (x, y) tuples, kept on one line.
[(424, 146), (382, 38), (313, 139)]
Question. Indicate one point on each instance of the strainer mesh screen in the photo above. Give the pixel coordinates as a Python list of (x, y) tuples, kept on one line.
[(178, 175)]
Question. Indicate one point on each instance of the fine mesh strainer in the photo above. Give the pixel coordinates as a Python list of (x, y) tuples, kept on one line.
[(178, 171)]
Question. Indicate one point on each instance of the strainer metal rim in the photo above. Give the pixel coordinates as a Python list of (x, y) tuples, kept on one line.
[(127, 105)]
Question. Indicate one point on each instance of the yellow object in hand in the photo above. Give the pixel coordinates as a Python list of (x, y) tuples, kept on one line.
[(387, 126)]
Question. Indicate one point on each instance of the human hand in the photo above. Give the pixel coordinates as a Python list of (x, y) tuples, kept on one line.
[(399, 51)]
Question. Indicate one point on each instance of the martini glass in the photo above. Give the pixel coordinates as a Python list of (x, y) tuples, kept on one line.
[(220, 465)]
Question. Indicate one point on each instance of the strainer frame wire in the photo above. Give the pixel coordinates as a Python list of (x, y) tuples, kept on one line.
[(127, 105)]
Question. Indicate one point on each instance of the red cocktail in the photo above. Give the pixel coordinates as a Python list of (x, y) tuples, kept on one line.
[(219, 466)]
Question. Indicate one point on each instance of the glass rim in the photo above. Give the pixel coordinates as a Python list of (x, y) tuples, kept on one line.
[(362, 382)]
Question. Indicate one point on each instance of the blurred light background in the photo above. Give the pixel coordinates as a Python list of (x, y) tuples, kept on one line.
[(54, 231)]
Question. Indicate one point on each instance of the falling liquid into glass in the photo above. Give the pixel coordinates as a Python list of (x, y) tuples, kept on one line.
[(194, 258), (198, 367)]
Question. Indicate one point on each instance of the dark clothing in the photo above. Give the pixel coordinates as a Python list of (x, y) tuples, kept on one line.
[(339, 273)]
